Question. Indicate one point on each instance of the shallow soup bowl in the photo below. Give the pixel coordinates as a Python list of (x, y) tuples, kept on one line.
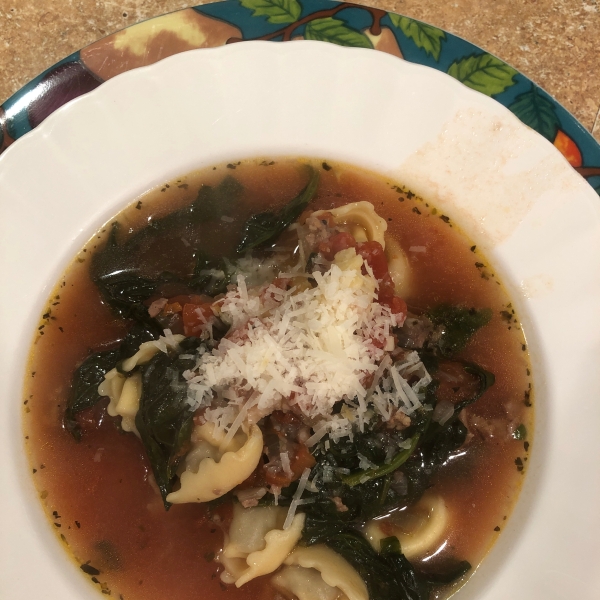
[(508, 188)]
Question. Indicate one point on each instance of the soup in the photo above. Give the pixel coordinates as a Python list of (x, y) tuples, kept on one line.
[(284, 378)]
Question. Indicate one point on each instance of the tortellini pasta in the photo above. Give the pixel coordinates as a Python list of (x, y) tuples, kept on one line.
[(365, 225), (211, 472), (429, 521), (257, 544), (125, 392), (304, 584), (335, 571), (398, 266), (361, 220)]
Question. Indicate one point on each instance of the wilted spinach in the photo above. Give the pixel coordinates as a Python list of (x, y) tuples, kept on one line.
[(207, 278), (84, 387), (89, 375), (214, 202), (164, 419), (125, 290), (264, 227), (116, 268), (388, 575), (456, 326)]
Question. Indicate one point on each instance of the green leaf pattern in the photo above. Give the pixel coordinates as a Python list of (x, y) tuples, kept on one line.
[(484, 73), (425, 36), (276, 11), (536, 111), (337, 32)]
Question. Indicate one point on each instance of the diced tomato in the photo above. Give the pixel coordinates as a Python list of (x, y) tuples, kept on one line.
[(301, 460), (286, 418), (171, 308), (386, 288), (396, 304), (195, 317), (373, 254), (256, 479), (337, 242)]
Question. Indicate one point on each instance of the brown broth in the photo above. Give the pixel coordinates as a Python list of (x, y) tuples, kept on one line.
[(97, 493)]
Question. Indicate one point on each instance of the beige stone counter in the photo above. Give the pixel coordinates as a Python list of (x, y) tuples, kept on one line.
[(556, 43)]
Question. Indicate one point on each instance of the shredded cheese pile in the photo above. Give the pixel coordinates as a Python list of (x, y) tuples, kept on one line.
[(308, 349)]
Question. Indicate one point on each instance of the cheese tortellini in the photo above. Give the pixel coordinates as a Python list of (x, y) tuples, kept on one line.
[(366, 225), (426, 522), (361, 220), (337, 580), (398, 267), (215, 466), (304, 584), (257, 544)]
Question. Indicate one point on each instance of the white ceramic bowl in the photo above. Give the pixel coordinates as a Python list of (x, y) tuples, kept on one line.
[(509, 188)]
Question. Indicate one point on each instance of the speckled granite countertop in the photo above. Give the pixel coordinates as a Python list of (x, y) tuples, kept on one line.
[(554, 42)]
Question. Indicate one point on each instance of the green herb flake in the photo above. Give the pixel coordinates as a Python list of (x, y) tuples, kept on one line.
[(89, 570)]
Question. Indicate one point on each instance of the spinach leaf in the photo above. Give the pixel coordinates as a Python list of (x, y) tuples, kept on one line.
[(429, 457), (125, 290), (211, 276), (369, 492), (137, 335), (119, 283), (89, 375), (214, 202), (449, 575), (264, 227), (116, 268), (457, 325), (388, 576), (411, 583), (84, 387), (478, 375), (164, 419), (439, 442), (375, 472), (486, 380), (420, 422)]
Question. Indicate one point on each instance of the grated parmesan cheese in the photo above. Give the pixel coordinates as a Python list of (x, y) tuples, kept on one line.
[(306, 349), (296, 498)]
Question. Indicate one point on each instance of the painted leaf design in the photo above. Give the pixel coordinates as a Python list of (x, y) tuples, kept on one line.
[(536, 111), (276, 11), (484, 73), (424, 36), (336, 32)]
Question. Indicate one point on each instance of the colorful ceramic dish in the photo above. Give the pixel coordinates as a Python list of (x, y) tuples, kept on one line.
[(509, 189)]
